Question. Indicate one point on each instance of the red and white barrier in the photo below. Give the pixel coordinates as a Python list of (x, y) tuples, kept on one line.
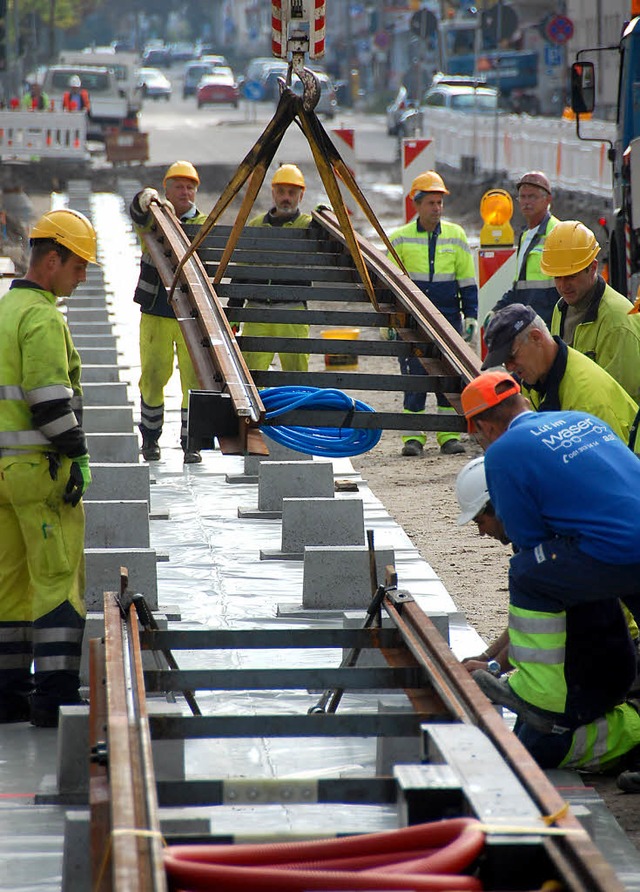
[(43, 134), (496, 272), (418, 155), (345, 140)]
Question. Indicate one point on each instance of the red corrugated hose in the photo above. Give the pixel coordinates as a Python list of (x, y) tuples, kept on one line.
[(423, 857)]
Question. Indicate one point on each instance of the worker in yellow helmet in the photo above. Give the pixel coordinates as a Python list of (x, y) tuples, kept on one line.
[(160, 335), (437, 256), (287, 190), (44, 471)]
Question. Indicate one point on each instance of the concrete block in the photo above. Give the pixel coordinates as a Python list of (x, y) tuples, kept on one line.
[(118, 480), (277, 452), (98, 314), (76, 854), (168, 755), (90, 328), (293, 479), (113, 447), (105, 394), (339, 577), (103, 573), (93, 355), (92, 374), (122, 524), (94, 340), (92, 298), (72, 760), (392, 751), (319, 522), (107, 419)]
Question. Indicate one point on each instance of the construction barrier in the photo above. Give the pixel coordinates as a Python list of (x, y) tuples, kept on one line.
[(418, 155), (123, 148), (25, 135)]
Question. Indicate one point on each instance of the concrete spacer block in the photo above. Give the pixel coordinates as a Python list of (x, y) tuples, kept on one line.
[(107, 419), (94, 374), (391, 751), (76, 854), (91, 299), (118, 480), (123, 524), (113, 447), (93, 355), (112, 393), (168, 755), (103, 573), (95, 340), (90, 328), (278, 480), (76, 314), (277, 452), (94, 628), (321, 522), (72, 760), (339, 577)]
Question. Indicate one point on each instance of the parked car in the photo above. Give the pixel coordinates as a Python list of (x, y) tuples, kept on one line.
[(218, 87), (458, 94), (215, 60), (193, 74), (154, 84)]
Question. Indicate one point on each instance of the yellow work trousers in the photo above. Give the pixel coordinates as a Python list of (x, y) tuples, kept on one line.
[(290, 362), (161, 339)]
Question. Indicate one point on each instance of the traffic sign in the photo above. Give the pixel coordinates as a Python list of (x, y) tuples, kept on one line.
[(558, 29), (253, 91)]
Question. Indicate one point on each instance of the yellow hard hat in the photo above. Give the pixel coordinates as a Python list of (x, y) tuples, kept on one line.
[(182, 169), (288, 175), (68, 228), (429, 181), (569, 248)]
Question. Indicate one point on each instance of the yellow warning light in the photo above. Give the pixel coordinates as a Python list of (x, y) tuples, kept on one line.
[(496, 210)]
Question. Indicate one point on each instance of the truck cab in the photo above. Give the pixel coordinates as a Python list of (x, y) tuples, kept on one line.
[(125, 66), (108, 106)]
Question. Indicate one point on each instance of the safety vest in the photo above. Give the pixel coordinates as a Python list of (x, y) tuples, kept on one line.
[(532, 286), (441, 265), (599, 745), (607, 335), (575, 382), (38, 364)]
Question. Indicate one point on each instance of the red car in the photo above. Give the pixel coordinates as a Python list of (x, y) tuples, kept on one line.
[(218, 87)]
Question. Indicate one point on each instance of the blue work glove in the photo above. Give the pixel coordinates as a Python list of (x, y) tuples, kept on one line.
[(79, 480), (469, 329)]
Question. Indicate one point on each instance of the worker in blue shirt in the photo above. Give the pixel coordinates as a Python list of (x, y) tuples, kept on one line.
[(568, 493)]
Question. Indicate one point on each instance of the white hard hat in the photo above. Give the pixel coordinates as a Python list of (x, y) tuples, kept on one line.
[(471, 490), (74, 81)]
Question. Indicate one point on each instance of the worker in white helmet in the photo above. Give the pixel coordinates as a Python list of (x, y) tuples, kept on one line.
[(76, 98)]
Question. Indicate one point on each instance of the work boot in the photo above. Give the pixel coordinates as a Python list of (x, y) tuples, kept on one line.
[(412, 447), (150, 450), (192, 457), (49, 716), (14, 708), (499, 691), (452, 447)]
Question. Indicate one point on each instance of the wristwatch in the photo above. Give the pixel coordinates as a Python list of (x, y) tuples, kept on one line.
[(493, 666)]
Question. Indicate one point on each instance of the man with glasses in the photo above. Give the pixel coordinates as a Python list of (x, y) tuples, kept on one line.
[(532, 286), (590, 316), (556, 377)]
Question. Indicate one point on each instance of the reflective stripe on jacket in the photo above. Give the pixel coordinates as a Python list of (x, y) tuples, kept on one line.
[(599, 745), (40, 392), (575, 382), (441, 265), (532, 286), (607, 335), (537, 650)]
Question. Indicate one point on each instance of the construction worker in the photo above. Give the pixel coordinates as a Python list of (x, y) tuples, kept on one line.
[(35, 98), (556, 376), (590, 316), (532, 286), (437, 256), (287, 191), (160, 335), (76, 98), (568, 494), (44, 471)]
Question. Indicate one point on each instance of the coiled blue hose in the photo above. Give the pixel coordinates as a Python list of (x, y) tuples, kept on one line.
[(335, 442)]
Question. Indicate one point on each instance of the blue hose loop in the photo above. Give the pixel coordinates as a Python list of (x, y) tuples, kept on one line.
[(335, 442)]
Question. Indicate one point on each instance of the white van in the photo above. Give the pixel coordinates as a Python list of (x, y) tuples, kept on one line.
[(125, 66), (109, 107)]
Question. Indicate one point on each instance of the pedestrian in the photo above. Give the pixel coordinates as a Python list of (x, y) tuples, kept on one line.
[(567, 491), (590, 316), (76, 98), (35, 98), (437, 256), (44, 471), (556, 376), (161, 337), (287, 191), (531, 285)]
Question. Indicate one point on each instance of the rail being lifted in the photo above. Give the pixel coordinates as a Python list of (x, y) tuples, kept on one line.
[(311, 269), (472, 765)]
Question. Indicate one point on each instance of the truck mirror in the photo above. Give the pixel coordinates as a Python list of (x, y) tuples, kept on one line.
[(583, 87)]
